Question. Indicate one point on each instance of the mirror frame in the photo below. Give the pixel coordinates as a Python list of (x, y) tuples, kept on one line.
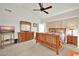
[(24, 23)]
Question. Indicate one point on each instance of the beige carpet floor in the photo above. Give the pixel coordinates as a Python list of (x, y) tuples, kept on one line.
[(30, 48)]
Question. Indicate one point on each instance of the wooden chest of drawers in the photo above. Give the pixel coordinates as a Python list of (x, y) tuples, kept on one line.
[(72, 40), (25, 36)]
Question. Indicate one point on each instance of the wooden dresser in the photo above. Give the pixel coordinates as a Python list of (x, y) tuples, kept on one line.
[(25, 36), (72, 40)]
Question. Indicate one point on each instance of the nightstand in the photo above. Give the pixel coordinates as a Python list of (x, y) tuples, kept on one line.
[(72, 40)]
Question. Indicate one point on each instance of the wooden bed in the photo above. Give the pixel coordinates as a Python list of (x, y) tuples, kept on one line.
[(52, 41), (49, 40)]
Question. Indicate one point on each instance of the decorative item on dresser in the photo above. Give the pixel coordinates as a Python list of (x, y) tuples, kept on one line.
[(25, 33), (72, 40)]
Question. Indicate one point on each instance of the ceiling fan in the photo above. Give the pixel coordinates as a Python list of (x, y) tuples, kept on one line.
[(42, 8)]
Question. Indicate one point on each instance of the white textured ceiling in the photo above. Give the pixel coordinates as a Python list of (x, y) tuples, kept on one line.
[(59, 10)]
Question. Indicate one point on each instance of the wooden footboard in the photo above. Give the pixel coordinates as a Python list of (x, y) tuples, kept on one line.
[(49, 40)]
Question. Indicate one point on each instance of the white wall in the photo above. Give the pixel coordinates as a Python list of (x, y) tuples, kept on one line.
[(18, 13)]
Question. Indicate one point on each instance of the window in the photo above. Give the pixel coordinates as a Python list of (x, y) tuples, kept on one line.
[(41, 27)]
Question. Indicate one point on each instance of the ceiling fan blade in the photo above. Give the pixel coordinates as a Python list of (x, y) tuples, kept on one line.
[(46, 12), (41, 5), (36, 9), (48, 7)]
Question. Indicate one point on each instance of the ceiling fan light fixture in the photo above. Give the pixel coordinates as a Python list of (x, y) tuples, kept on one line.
[(42, 8)]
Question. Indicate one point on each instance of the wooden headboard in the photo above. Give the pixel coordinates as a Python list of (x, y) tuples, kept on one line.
[(55, 30)]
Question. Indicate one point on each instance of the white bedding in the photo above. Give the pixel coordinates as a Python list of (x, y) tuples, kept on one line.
[(61, 35)]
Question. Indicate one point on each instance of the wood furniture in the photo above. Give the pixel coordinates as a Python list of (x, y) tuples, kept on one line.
[(51, 41), (72, 40), (6, 30), (25, 35), (59, 30)]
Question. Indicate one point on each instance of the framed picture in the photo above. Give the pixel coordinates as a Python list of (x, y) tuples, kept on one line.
[(35, 25)]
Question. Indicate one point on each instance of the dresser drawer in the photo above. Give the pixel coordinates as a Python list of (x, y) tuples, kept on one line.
[(72, 40)]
